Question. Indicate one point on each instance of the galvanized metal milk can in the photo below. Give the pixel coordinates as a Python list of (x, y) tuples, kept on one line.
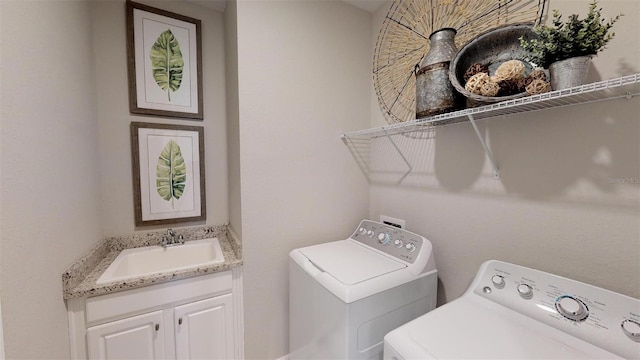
[(434, 92)]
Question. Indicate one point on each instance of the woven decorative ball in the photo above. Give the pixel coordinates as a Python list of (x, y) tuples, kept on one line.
[(538, 86), (475, 83), (489, 88), (474, 69), (510, 70), (534, 75), (509, 87), (537, 74), (522, 84)]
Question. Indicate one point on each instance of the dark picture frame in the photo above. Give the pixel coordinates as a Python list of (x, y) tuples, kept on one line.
[(168, 173), (164, 61)]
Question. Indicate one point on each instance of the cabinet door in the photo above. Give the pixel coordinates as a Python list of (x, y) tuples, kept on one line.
[(137, 337), (204, 329)]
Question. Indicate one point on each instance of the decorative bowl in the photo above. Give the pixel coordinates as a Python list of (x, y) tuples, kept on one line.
[(491, 48)]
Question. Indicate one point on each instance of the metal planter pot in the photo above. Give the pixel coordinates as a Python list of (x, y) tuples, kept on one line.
[(569, 72)]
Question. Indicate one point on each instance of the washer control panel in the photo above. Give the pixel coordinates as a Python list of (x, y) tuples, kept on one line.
[(396, 242), (598, 316)]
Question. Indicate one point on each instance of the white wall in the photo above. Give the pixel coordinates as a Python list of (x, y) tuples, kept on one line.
[(562, 204), (109, 25), (233, 121), (66, 154), (303, 78), (51, 201)]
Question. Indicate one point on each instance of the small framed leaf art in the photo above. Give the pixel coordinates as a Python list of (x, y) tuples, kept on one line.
[(168, 173), (164, 58)]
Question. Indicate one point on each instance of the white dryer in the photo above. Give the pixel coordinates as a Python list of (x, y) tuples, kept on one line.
[(514, 312), (344, 296)]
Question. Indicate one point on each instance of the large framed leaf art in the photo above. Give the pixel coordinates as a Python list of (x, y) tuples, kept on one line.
[(164, 58), (168, 173)]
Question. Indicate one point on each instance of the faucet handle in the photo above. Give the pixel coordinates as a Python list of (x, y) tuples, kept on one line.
[(181, 239), (165, 240), (170, 232)]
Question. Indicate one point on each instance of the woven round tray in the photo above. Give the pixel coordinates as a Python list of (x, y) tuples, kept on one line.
[(403, 41)]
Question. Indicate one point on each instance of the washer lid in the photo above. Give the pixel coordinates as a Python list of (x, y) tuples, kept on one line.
[(350, 262)]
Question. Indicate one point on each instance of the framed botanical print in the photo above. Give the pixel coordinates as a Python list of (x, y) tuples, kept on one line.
[(164, 58), (168, 173)]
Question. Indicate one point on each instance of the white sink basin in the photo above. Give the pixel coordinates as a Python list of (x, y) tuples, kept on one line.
[(137, 262)]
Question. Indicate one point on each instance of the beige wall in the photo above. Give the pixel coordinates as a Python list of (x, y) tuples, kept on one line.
[(562, 204), (66, 158), (233, 121), (303, 78), (108, 21), (51, 201)]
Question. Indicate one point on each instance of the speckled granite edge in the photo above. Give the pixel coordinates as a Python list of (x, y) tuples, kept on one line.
[(75, 273), (235, 242), (80, 278)]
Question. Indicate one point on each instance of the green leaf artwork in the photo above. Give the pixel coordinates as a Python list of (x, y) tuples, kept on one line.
[(167, 63), (171, 172)]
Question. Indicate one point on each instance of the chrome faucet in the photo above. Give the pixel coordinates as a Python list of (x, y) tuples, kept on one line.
[(170, 239)]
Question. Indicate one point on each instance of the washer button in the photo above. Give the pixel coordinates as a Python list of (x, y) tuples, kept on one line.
[(525, 291), (498, 281)]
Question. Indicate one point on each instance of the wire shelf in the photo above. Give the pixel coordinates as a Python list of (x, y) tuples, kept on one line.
[(625, 86)]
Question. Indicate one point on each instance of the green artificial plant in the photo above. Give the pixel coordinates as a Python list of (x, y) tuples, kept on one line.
[(575, 37)]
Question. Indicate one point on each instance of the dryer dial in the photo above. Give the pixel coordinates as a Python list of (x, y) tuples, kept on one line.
[(572, 308), (526, 291), (631, 328), (498, 281)]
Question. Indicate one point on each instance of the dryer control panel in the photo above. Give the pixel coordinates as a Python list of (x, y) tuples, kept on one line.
[(396, 242), (598, 316)]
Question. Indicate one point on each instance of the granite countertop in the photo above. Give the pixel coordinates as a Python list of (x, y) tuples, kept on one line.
[(79, 279)]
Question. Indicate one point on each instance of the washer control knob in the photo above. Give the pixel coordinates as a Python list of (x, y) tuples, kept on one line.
[(398, 243), (384, 238), (498, 281), (631, 328), (572, 308), (370, 233), (410, 247), (362, 231), (525, 291)]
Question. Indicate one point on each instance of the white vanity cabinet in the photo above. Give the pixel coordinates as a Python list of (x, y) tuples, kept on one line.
[(136, 337), (204, 329), (193, 318)]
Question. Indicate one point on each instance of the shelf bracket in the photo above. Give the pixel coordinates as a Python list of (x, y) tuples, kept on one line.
[(401, 155), (496, 171)]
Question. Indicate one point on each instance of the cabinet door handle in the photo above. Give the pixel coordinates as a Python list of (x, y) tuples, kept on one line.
[(157, 327), (180, 321)]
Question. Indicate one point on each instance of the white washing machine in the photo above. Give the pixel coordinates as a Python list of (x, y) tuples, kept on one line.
[(513, 312), (344, 296)]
